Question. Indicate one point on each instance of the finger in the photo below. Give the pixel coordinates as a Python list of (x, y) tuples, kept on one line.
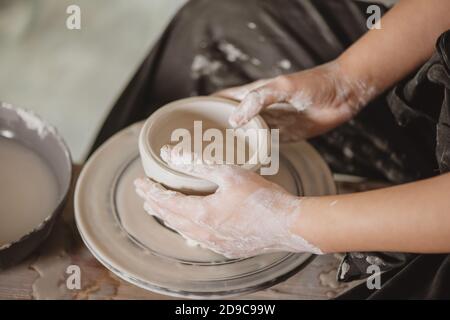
[(192, 164), (183, 226), (200, 234), (193, 208), (187, 223), (276, 118), (239, 93), (254, 102), (235, 93)]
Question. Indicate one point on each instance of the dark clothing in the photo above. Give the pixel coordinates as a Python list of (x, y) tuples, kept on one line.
[(214, 44)]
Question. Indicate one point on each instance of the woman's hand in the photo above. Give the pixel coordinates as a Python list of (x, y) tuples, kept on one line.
[(246, 216), (249, 215), (302, 104)]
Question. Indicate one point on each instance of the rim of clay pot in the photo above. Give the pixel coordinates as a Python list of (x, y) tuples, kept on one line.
[(29, 129), (151, 158)]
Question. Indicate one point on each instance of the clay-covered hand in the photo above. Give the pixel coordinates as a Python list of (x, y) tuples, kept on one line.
[(302, 104), (246, 216)]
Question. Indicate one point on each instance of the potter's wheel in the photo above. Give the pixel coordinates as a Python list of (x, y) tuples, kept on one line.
[(139, 249)]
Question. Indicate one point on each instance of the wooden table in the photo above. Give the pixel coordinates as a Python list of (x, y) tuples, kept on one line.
[(43, 275)]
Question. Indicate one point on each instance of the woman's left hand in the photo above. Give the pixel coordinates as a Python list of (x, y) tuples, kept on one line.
[(246, 216)]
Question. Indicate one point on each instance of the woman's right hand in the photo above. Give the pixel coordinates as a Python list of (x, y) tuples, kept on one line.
[(302, 104)]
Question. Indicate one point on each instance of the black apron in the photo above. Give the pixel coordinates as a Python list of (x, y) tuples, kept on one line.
[(214, 44)]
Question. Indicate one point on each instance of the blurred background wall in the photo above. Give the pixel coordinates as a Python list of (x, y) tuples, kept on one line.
[(72, 78)]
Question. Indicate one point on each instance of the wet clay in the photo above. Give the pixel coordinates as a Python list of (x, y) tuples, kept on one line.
[(28, 191)]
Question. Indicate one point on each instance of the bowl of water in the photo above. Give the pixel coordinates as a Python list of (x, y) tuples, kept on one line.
[(35, 176)]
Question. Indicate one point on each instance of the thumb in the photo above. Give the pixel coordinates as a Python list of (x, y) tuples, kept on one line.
[(253, 103), (239, 93)]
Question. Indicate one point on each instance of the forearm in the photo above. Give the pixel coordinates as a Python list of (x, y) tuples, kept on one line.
[(413, 217), (407, 39)]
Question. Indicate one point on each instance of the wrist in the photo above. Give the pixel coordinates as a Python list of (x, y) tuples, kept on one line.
[(307, 223), (357, 79)]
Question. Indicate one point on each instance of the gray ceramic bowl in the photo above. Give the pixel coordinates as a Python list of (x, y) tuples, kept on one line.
[(25, 127)]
